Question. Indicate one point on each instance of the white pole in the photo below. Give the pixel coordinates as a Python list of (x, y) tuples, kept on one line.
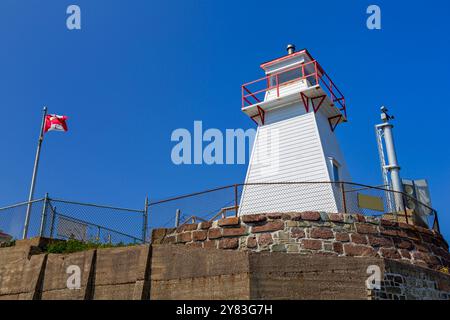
[(33, 178), (177, 218), (392, 166)]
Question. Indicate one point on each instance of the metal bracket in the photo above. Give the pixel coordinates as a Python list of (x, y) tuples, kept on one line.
[(322, 99), (305, 100), (333, 126), (261, 114)]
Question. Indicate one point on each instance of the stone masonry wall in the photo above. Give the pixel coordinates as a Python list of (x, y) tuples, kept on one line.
[(320, 233), (406, 282)]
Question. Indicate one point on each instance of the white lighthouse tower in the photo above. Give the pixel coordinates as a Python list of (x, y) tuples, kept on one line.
[(297, 108)]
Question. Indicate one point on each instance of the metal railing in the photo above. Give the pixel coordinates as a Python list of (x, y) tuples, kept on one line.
[(254, 92), (347, 198), (62, 219)]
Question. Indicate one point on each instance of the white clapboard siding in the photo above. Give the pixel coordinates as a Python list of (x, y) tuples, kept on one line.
[(288, 148)]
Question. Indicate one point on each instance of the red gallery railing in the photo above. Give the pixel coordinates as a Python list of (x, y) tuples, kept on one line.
[(253, 93)]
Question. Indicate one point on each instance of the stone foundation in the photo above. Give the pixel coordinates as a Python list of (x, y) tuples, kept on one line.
[(406, 282), (315, 233)]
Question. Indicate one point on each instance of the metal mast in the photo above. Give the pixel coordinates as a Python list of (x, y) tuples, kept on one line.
[(390, 202), (391, 170)]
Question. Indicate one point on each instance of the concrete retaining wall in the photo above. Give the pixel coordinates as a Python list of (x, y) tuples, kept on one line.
[(55, 276), (21, 270), (191, 273), (121, 273), (185, 272)]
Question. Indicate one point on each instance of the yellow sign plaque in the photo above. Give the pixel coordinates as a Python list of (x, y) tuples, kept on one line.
[(370, 202)]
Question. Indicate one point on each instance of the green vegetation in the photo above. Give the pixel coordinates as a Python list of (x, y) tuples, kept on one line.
[(444, 270), (10, 243), (73, 245)]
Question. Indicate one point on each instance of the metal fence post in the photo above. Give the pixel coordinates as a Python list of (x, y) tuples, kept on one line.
[(405, 210), (177, 218), (344, 202), (145, 221), (43, 216), (52, 225), (236, 199)]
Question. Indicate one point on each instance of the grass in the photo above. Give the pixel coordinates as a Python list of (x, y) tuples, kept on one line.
[(73, 245), (6, 244)]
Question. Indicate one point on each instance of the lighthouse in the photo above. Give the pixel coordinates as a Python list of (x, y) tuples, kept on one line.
[(296, 163)]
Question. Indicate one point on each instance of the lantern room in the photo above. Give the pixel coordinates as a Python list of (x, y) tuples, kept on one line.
[(296, 76)]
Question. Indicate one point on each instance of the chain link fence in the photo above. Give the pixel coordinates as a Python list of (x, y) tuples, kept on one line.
[(253, 198), (12, 219), (61, 219)]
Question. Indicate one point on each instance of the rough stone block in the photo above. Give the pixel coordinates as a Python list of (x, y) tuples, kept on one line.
[(292, 248), (310, 216), (404, 253), (297, 233), (291, 224), (234, 232), (184, 237), (230, 221), (199, 235), (342, 237), (205, 225), (278, 248), (311, 244), (322, 233), (390, 253), (380, 241), (269, 226), (252, 218), (336, 217), (187, 227), (358, 238), (251, 242), (229, 243), (338, 247), (275, 215), (366, 228), (214, 233), (354, 250), (265, 239)]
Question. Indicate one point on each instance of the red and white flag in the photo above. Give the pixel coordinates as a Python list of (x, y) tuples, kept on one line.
[(54, 122)]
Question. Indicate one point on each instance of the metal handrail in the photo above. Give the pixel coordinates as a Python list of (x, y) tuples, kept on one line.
[(319, 74), (21, 204), (223, 211), (277, 74), (95, 205)]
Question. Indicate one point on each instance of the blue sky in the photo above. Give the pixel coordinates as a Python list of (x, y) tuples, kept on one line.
[(137, 70)]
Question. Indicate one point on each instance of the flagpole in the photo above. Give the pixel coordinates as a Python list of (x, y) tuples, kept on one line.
[(33, 178)]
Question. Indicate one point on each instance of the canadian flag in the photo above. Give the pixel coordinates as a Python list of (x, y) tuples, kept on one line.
[(54, 122)]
